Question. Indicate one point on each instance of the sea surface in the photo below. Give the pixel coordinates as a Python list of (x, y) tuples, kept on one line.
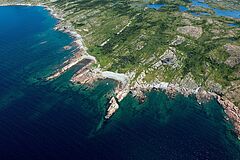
[(57, 120)]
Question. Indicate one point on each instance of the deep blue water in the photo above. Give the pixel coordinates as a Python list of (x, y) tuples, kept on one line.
[(42, 120)]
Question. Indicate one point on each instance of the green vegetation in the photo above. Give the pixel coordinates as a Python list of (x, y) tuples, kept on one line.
[(126, 36)]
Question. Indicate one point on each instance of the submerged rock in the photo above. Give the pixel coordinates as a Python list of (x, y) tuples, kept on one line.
[(67, 47)]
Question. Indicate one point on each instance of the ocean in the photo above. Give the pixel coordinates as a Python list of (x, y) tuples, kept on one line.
[(57, 120)]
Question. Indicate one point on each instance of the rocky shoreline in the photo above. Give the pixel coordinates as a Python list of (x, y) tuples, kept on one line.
[(202, 96), (232, 111), (88, 75)]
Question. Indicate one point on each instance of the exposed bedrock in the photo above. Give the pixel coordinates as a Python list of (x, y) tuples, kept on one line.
[(232, 112), (234, 55), (192, 31)]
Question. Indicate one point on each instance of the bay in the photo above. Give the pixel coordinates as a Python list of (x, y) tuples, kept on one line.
[(58, 120)]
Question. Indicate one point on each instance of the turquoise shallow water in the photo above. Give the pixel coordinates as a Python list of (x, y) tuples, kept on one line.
[(57, 120)]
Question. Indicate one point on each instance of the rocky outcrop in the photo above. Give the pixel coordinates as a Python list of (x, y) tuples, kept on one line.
[(233, 92), (86, 76), (178, 40), (76, 59), (185, 21), (192, 31), (234, 52), (168, 58), (121, 91), (202, 95), (189, 82), (232, 112), (190, 16), (67, 47), (215, 88), (113, 107)]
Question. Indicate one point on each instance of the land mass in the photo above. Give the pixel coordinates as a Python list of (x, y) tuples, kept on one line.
[(178, 46)]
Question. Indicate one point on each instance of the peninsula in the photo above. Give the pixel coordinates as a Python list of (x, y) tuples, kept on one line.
[(185, 46)]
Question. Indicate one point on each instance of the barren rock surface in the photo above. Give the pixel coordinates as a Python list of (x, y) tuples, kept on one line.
[(192, 31), (234, 52)]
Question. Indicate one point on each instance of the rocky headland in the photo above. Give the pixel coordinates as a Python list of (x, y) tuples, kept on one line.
[(138, 86)]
